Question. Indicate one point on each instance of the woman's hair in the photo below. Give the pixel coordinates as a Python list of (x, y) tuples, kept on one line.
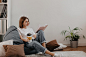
[(21, 21)]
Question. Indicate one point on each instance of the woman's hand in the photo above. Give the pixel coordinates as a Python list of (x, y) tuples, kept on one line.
[(26, 40)]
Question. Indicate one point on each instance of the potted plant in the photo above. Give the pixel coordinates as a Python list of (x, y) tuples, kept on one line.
[(73, 36)]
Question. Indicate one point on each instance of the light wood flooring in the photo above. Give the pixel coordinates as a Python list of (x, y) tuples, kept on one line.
[(79, 48)]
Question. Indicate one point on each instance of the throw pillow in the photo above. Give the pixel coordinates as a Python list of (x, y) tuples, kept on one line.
[(2, 51), (14, 50), (52, 45)]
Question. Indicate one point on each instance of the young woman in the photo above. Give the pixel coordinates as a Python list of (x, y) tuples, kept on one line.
[(38, 40)]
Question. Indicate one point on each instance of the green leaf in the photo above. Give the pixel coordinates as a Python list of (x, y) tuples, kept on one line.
[(63, 32), (83, 36), (68, 36), (76, 28), (76, 32), (81, 28), (69, 29)]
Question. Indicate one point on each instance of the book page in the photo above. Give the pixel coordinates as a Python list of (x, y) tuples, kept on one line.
[(41, 27)]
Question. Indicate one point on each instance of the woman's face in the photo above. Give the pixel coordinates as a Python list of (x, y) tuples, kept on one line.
[(26, 23)]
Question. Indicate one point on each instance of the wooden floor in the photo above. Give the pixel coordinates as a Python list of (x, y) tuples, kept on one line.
[(80, 48)]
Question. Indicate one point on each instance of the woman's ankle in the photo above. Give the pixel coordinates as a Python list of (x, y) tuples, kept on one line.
[(44, 45)]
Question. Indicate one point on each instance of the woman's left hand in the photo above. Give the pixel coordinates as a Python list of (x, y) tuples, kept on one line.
[(34, 35)]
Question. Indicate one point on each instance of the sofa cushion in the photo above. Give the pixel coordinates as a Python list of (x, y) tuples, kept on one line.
[(12, 33), (14, 50), (52, 45), (62, 46), (2, 51)]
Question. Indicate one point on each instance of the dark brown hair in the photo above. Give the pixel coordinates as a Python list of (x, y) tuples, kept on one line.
[(21, 21)]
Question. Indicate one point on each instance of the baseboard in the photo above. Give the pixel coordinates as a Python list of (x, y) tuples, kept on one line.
[(80, 44)]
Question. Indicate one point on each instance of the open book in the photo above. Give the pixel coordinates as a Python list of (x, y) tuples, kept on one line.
[(41, 28)]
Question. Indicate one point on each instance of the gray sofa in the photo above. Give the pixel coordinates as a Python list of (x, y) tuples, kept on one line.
[(12, 33)]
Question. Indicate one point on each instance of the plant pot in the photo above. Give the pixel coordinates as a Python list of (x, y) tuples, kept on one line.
[(74, 44)]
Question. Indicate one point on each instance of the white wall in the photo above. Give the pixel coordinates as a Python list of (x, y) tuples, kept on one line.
[(58, 14)]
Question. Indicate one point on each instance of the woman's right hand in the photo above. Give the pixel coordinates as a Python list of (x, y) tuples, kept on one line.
[(26, 40)]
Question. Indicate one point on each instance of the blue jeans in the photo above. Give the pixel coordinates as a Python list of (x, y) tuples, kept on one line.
[(36, 43)]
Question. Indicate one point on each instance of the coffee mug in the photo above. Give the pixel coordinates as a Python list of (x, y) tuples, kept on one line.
[(29, 37)]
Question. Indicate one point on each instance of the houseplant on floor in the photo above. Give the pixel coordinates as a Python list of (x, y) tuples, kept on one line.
[(73, 36)]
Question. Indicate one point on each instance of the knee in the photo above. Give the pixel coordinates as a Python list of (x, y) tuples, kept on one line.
[(40, 31)]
